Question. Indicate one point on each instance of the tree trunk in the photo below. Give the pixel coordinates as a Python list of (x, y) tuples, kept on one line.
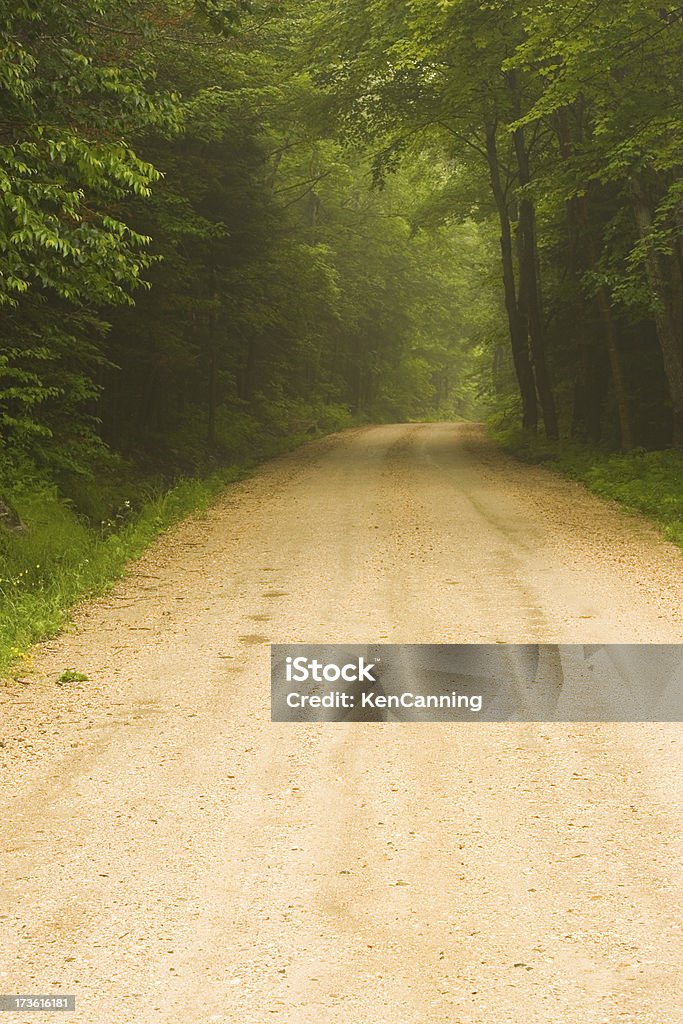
[(212, 400), (668, 332), (582, 241), (626, 430), (529, 289), (246, 372), (518, 335)]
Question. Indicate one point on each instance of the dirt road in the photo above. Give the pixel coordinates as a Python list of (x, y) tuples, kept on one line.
[(170, 856)]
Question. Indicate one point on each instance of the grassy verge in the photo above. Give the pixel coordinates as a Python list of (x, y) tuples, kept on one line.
[(61, 559), (647, 482), (65, 557)]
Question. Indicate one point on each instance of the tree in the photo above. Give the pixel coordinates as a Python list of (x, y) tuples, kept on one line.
[(68, 96)]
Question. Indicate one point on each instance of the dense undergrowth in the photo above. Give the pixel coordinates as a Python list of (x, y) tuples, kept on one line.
[(650, 482)]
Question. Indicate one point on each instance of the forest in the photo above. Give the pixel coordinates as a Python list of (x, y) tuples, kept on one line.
[(227, 227)]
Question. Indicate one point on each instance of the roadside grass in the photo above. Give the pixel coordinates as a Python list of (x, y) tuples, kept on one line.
[(69, 553), (61, 559), (650, 482)]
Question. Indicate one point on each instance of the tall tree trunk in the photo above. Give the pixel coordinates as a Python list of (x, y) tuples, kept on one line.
[(610, 339), (582, 243), (518, 334), (360, 390), (212, 399), (247, 371), (587, 408), (529, 286), (677, 275), (578, 214), (626, 428), (668, 331)]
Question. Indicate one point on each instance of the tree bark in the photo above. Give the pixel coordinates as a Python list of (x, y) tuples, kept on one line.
[(212, 400), (582, 241), (626, 429), (611, 341), (529, 287), (518, 334)]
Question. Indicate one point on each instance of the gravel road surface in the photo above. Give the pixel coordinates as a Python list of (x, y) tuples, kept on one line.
[(169, 855)]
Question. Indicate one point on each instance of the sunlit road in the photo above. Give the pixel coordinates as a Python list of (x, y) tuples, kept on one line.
[(170, 855)]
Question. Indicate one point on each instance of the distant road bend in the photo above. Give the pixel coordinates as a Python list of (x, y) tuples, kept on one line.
[(171, 856)]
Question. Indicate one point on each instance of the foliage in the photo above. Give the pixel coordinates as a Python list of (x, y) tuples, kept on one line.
[(228, 225), (569, 121)]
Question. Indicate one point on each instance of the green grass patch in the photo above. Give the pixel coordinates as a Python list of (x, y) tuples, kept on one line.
[(72, 675), (62, 559), (647, 482)]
